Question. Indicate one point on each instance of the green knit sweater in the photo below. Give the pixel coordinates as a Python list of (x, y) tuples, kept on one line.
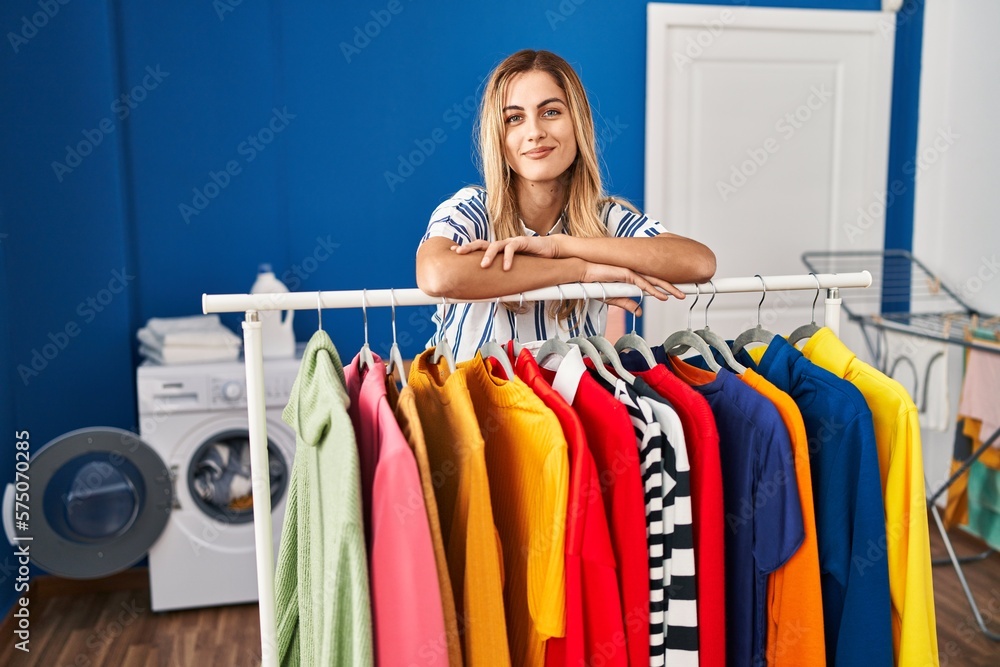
[(321, 584)]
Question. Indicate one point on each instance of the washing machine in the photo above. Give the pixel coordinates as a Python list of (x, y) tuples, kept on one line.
[(194, 417)]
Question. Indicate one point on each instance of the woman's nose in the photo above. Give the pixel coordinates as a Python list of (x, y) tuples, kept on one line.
[(535, 129)]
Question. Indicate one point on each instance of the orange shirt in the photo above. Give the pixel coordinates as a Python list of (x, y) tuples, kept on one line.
[(795, 634), (455, 451)]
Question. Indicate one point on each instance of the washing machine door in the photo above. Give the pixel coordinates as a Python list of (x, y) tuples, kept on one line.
[(99, 497)]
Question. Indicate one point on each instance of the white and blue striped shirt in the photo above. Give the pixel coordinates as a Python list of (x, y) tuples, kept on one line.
[(463, 218)]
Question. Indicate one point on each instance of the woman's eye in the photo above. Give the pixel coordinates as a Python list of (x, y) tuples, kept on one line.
[(551, 112), (513, 119)]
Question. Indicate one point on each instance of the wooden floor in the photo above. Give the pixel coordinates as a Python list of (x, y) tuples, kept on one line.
[(73, 625)]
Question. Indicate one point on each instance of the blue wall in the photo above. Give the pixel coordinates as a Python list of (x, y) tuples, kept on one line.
[(276, 125)]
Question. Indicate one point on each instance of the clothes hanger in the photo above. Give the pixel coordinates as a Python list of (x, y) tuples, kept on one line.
[(319, 310), (633, 341), (678, 342), (758, 334), (491, 349), (588, 349), (443, 347), (807, 330), (513, 334), (395, 358), (554, 345), (716, 342), (608, 352), (367, 360)]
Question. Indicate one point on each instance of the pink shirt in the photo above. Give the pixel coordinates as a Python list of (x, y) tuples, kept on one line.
[(406, 600)]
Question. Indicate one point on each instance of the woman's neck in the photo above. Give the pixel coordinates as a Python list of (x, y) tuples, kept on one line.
[(540, 204)]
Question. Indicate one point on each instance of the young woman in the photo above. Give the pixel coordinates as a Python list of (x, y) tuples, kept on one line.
[(542, 219)]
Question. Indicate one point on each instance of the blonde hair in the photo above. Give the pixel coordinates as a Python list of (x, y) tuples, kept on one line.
[(585, 196)]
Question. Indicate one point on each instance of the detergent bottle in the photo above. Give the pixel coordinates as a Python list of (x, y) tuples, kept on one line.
[(276, 326)]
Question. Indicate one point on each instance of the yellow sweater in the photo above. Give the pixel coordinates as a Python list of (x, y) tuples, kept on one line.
[(529, 482), (458, 473), (897, 436)]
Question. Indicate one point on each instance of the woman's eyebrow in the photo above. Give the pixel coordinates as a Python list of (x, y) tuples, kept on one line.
[(550, 101), (514, 107)]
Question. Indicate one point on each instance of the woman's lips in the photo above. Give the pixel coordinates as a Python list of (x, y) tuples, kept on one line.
[(538, 153)]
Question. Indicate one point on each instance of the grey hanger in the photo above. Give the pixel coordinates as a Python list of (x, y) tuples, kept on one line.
[(588, 349), (443, 347), (395, 357), (678, 342), (807, 330), (513, 334), (554, 345), (633, 341), (758, 334), (491, 349), (716, 342), (367, 360), (319, 310), (608, 352)]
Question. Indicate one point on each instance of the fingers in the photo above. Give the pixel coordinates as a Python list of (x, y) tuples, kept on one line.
[(508, 254), (625, 303), (491, 253), (470, 247), (663, 284)]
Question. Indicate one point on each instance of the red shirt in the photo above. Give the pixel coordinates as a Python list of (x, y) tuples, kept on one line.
[(593, 608), (612, 444), (702, 440)]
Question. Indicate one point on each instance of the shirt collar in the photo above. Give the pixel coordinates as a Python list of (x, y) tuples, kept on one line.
[(558, 228), (827, 351)]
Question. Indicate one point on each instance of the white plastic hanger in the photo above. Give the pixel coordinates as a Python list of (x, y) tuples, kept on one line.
[(443, 347), (807, 330), (395, 358), (716, 342), (678, 342), (633, 341), (588, 349), (367, 360), (554, 345), (319, 310), (608, 351), (491, 349), (758, 334)]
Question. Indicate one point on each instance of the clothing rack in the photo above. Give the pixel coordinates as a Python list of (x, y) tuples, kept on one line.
[(251, 304)]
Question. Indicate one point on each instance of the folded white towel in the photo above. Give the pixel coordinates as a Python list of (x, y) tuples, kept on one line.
[(186, 354), (194, 331)]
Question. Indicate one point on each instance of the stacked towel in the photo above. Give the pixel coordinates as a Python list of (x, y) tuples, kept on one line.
[(184, 340)]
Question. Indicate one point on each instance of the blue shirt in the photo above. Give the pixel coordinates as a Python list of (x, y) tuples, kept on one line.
[(761, 501), (850, 515)]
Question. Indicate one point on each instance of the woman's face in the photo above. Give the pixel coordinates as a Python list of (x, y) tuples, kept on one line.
[(539, 141)]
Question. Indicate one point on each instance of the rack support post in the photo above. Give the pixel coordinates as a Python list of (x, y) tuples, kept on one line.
[(831, 315), (261, 486)]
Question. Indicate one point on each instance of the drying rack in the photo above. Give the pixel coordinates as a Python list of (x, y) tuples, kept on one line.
[(251, 304), (907, 297)]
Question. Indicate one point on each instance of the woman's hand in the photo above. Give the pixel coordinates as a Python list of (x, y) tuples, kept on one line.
[(606, 273), (538, 246)]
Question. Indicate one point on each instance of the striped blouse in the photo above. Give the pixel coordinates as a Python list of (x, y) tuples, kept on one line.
[(463, 218)]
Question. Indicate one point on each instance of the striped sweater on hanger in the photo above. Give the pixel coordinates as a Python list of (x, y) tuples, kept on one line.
[(681, 607), (649, 439)]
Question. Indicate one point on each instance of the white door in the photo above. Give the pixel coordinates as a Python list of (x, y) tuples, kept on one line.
[(767, 133)]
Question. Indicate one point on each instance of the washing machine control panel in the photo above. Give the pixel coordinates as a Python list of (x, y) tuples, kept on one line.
[(204, 387)]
